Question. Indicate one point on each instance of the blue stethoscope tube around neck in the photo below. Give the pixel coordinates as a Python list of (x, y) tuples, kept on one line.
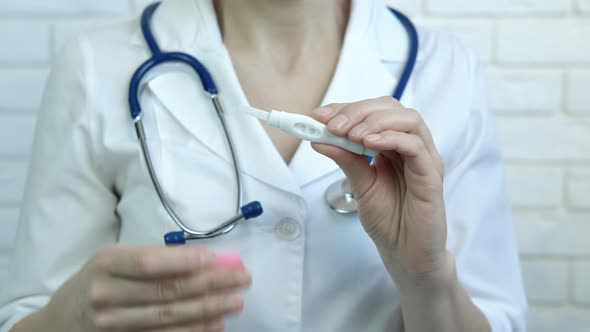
[(142, 77), (137, 84), (412, 54)]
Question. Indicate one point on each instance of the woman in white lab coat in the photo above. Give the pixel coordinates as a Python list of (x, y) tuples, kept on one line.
[(419, 256)]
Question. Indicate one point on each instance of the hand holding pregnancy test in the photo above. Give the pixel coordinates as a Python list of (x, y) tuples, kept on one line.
[(307, 129)]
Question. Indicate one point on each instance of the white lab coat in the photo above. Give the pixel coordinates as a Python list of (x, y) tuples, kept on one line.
[(313, 269)]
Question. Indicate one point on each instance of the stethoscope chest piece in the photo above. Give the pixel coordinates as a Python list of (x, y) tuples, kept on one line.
[(340, 197)]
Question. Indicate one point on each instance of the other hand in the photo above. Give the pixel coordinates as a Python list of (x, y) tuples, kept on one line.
[(149, 289)]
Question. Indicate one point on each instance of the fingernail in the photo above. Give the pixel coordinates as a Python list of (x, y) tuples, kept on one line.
[(229, 259), (323, 111), (373, 138), (358, 130), (338, 122)]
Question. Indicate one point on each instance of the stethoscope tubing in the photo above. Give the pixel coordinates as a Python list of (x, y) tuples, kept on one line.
[(138, 82), (412, 53)]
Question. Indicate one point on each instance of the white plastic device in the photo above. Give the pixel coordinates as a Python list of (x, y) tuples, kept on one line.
[(307, 129)]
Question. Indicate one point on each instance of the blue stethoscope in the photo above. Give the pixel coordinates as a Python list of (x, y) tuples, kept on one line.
[(338, 195)]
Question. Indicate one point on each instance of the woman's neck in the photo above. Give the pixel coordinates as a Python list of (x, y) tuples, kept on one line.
[(283, 33)]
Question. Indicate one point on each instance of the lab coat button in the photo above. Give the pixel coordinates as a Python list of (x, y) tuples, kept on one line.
[(288, 229)]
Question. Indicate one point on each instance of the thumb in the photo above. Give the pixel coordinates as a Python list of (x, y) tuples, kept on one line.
[(357, 169)]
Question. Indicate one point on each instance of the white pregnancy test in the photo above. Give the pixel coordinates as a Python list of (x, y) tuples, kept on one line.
[(307, 129)]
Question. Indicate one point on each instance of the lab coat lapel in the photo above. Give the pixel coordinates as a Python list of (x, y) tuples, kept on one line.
[(186, 102), (181, 95), (368, 67)]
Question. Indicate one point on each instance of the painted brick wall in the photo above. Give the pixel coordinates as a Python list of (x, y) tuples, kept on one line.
[(538, 58)]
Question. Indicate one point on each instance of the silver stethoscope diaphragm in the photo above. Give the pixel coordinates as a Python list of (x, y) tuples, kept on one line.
[(341, 198)]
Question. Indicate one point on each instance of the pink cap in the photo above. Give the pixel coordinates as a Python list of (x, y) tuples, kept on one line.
[(228, 259)]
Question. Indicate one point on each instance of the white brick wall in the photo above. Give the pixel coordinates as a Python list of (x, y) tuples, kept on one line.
[(538, 57), (537, 187), (583, 6), (515, 91), (498, 7), (581, 289), (21, 88), (549, 275), (578, 189), (545, 233), (16, 36), (7, 215), (536, 41), (578, 97)]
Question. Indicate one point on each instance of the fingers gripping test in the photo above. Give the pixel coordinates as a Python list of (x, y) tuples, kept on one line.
[(307, 129)]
